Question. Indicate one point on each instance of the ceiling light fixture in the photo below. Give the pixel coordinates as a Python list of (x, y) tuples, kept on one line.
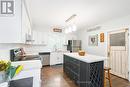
[(71, 17), (70, 29)]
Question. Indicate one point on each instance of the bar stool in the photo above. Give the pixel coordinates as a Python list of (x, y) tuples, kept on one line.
[(107, 76)]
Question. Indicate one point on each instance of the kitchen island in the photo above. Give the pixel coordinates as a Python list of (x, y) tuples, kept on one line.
[(85, 71)]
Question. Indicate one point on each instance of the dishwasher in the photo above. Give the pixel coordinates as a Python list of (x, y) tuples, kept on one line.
[(45, 58)]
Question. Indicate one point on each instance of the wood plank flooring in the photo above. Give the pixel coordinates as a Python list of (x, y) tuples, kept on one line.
[(54, 77)]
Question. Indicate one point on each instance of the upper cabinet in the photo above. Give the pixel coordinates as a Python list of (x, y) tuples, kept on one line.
[(16, 28), (39, 38), (26, 25)]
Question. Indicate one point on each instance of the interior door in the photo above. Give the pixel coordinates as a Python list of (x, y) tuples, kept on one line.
[(118, 52)]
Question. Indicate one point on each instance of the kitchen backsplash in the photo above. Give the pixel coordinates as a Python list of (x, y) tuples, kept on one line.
[(29, 49)]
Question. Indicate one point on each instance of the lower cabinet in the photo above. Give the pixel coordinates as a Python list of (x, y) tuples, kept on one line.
[(26, 82), (56, 58), (84, 74)]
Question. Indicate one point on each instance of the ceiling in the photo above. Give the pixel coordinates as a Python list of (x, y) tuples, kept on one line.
[(46, 14)]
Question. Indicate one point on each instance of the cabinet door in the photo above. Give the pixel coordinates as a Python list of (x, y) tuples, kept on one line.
[(44, 38), (26, 25), (59, 58), (39, 38), (53, 58), (56, 58), (35, 37)]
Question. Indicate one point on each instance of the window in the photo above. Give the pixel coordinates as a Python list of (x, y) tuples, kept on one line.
[(117, 39)]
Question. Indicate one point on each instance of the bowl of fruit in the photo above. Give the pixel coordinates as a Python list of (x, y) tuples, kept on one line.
[(81, 52)]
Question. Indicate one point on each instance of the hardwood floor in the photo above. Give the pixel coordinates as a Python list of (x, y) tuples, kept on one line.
[(54, 77)]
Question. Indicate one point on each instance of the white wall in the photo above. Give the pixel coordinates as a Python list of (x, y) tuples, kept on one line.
[(101, 49)]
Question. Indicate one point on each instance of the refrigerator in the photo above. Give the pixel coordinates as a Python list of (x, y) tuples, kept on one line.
[(74, 45)]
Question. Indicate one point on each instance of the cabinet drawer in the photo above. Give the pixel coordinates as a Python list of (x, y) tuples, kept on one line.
[(72, 60), (75, 61), (75, 69)]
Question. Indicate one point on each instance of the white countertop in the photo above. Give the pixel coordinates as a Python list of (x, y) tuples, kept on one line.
[(88, 58), (4, 84), (29, 64)]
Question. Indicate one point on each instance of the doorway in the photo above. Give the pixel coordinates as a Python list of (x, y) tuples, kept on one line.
[(118, 52)]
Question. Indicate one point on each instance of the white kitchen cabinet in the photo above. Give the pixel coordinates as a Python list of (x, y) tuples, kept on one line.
[(60, 57), (56, 58), (14, 29), (53, 58), (44, 38), (35, 37), (38, 38), (26, 25)]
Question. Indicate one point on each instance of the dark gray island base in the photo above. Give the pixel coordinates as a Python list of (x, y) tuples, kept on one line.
[(84, 74)]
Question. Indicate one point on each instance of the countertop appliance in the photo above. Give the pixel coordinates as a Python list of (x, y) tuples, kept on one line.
[(45, 58), (74, 45), (20, 55)]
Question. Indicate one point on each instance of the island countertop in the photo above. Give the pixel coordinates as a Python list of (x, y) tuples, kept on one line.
[(88, 58)]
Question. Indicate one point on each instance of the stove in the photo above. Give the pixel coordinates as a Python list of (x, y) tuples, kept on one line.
[(19, 54)]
